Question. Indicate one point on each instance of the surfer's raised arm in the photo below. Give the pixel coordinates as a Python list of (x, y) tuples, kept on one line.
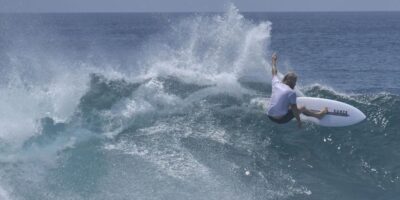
[(274, 58)]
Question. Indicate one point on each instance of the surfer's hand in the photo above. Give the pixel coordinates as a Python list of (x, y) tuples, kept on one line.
[(274, 58)]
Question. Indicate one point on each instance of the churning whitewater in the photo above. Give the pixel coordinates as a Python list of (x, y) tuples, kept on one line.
[(161, 106)]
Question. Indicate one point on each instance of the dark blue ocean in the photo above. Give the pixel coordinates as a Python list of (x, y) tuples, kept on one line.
[(162, 106)]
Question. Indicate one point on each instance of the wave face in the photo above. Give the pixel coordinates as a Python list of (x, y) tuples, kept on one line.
[(161, 106)]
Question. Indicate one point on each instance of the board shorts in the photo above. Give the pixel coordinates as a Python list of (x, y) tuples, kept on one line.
[(285, 119)]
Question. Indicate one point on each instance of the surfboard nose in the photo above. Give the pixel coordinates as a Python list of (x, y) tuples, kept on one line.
[(358, 115), (362, 115)]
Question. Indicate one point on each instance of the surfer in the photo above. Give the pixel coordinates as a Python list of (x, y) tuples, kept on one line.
[(282, 107)]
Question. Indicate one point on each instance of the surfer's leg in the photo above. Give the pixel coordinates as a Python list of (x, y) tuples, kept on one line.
[(318, 114)]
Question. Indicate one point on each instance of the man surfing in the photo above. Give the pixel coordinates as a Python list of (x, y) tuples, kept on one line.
[(282, 108)]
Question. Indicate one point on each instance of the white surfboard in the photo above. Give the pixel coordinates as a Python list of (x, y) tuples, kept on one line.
[(339, 113)]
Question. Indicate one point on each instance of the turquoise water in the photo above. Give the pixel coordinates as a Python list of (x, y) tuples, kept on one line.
[(160, 106)]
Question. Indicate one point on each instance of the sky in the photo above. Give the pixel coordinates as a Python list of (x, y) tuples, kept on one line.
[(195, 5)]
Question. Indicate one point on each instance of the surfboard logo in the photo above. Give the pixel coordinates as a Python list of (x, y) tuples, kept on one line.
[(335, 112), (339, 113)]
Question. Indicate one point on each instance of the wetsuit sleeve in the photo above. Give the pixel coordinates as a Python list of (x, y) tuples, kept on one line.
[(292, 98)]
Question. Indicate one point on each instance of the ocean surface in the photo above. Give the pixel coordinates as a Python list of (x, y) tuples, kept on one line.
[(156, 106)]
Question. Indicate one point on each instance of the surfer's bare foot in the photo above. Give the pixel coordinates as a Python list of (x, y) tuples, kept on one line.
[(322, 113)]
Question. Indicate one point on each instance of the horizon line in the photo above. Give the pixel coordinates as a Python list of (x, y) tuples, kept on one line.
[(177, 12)]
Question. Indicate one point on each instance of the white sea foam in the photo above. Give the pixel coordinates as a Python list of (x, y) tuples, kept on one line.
[(24, 102), (4, 195), (214, 51), (210, 46)]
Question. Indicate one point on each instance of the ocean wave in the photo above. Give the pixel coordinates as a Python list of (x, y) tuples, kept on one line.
[(182, 124)]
